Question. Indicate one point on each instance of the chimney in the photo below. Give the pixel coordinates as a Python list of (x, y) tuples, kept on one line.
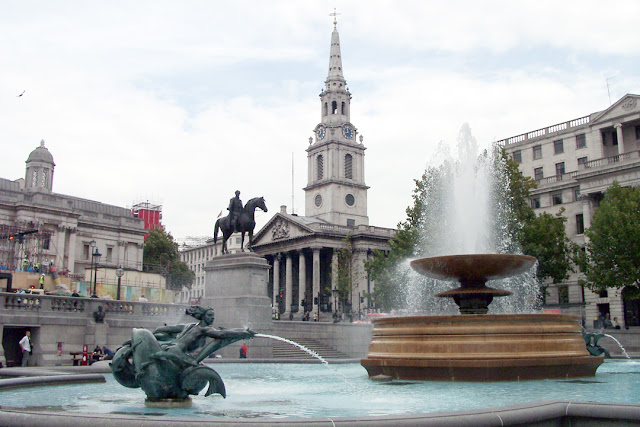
[(283, 209)]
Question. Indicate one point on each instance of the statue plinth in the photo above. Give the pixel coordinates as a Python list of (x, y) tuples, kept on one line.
[(236, 288)]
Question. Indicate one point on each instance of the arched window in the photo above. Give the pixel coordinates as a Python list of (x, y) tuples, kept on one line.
[(326, 108), (320, 165), (348, 166), (334, 107), (343, 105)]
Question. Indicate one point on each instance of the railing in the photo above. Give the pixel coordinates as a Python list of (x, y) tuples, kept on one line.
[(360, 228), (582, 121), (557, 178), (618, 158), (14, 303)]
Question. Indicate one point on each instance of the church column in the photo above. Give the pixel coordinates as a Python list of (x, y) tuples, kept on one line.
[(302, 279), (316, 276), (618, 127), (334, 275), (586, 213), (276, 280), (288, 274)]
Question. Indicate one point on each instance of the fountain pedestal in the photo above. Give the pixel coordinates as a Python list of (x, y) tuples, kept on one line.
[(475, 346)]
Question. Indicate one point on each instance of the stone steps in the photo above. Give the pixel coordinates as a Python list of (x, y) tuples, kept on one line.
[(283, 350)]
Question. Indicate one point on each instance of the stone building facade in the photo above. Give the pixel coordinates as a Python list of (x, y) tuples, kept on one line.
[(573, 163), (303, 250), (39, 226)]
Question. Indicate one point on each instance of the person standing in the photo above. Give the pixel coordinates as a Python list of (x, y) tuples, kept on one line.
[(25, 346), (243, 351)]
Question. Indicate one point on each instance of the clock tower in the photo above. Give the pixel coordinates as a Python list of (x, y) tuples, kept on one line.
[(335, 190)]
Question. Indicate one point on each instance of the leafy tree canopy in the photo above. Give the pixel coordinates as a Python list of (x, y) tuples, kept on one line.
[(612, 257), (161, 256)]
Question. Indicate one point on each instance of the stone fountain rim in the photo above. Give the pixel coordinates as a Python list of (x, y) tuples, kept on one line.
[(433, 318), (457, 267)]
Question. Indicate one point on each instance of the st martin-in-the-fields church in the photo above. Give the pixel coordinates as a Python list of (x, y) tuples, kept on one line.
[(303, 250)]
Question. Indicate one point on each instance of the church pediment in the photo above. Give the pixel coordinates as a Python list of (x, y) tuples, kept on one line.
[(280, 228), (626, 105)]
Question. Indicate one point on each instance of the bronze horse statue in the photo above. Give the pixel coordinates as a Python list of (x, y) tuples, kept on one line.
[(246, 224)]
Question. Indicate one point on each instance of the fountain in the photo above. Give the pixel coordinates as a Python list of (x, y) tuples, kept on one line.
[(476, 346), (466, 217)]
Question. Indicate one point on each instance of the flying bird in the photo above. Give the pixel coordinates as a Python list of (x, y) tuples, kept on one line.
[(21, 94)]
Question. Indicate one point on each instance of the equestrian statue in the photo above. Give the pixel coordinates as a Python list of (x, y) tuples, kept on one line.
[(240, 219), (167, 363)]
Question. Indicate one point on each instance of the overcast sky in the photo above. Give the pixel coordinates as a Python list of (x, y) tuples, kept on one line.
[(181, 103)]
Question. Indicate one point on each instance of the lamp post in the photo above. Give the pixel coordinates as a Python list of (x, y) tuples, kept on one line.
[(94, 255), (119, 273), (92, 245)]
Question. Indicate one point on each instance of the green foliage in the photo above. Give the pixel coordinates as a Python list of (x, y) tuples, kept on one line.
[(346, 274), (544, 237), (612, 257), (161, 256)]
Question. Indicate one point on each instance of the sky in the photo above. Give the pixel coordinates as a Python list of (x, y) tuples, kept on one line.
[(180, 103)]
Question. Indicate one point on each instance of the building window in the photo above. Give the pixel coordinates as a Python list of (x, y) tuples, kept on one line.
[(85, 252), (582, 161), (351, 222), (348, 166), (537, 152), (576, 195), (320, 164), (581, 141), (558, 147), (517, 156), (109, 254), (563, 294), (535, 203), (638, 132), (334, 107), (580, 224), (318, 200), (343, 108), (537, 174), (560, 168), (556, 199), (349, 199), (614, 137)]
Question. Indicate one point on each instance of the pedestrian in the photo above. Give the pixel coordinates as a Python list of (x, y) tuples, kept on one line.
[(25, 346), (143, 298), (243, 351), (42, 281)]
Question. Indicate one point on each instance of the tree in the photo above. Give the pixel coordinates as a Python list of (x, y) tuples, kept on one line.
[(544, 237), (345, 272), (612, 258), (161, 256)]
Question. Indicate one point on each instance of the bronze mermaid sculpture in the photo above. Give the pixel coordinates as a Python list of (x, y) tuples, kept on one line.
[(167, 364)]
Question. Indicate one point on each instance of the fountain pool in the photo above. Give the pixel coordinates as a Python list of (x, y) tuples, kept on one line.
[(274, 391)]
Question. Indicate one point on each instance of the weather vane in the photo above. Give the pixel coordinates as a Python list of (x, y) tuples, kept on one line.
[(335, 16)]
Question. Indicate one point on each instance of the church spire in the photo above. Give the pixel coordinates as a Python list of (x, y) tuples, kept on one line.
[(335, 58)]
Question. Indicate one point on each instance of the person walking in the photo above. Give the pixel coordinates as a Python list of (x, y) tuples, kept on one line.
[(25, 346)]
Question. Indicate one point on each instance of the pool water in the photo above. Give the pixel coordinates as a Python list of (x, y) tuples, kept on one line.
[(302, 390)]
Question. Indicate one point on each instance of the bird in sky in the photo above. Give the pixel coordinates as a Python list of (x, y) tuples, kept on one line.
[(21, 94)]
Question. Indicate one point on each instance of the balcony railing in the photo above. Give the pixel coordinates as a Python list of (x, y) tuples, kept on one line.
[(619, 158), (582, 121)]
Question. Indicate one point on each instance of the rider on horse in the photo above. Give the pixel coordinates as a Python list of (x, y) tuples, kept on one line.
[(235, 209)]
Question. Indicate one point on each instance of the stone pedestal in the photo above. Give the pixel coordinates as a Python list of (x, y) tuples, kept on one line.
[(236, 288)]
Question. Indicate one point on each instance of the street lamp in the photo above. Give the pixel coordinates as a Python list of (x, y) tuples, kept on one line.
[(94, 255), (119, 273), (92, 245)]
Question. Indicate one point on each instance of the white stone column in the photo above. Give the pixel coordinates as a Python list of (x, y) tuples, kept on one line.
[(276, 280), (316, 274), (288, 281), (302, 279), (618, 127), (586, 213)]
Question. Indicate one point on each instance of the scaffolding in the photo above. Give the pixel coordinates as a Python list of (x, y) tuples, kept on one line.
[(23, 247)]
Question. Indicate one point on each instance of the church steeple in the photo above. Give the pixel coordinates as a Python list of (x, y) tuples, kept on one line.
[(336, 191)]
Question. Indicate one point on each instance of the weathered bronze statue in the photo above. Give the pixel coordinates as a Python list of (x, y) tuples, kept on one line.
[(245, 222), (166, 364)]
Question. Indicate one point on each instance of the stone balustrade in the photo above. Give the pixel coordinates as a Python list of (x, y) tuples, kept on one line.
[(13, 303)]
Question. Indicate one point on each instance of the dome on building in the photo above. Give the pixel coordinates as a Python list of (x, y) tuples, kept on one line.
[(41, 154)]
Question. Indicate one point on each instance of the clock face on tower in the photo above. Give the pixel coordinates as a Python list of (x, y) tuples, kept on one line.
[(321, 131), (347, 131)]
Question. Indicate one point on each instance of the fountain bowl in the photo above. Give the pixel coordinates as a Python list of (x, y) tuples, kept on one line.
[(505, 347)]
